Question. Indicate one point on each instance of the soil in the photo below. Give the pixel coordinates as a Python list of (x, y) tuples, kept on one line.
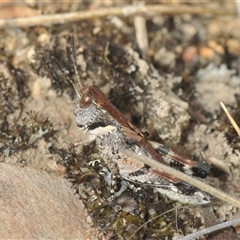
[(168, 80)]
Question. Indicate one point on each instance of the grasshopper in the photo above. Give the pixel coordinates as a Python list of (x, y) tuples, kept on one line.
[(112, 131)]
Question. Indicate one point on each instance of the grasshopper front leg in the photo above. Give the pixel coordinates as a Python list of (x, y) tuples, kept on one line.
[(109, 141)]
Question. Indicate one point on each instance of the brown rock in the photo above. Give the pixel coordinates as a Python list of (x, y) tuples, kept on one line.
[(35, 204)]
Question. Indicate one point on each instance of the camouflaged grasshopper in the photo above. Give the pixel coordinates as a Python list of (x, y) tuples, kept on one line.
[(112, 132)]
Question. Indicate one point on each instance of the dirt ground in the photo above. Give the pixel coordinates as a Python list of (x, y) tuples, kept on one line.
[(167, 73)]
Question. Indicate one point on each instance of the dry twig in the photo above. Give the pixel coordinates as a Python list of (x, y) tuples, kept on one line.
[(212, 229), (196, 183), (230, 118), (141, 33), (48, 20)]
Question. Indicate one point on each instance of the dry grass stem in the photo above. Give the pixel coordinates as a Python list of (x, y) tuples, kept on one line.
[(158, 216), (141, 33), (230, 118), (211, 229), (48, 20), (196, 183)]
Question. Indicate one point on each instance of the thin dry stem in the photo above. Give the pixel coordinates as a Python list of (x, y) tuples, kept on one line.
[(141, 33), (211, 229), (144, 224), (196, 183), (48, 20), (230, 118)]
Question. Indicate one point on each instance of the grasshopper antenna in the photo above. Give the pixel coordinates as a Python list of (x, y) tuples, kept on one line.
[(73, 57), (66, 76)]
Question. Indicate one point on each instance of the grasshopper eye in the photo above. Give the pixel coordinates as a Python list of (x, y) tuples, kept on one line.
[(86, 99)]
